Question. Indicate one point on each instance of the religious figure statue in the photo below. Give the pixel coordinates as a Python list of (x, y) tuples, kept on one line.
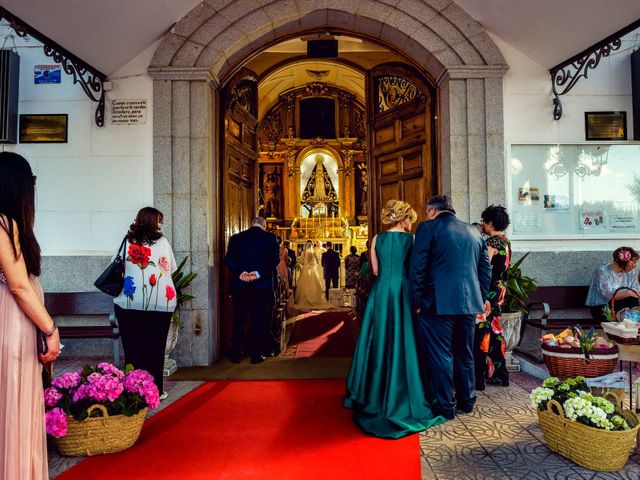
[(270, 189), (320, 191)]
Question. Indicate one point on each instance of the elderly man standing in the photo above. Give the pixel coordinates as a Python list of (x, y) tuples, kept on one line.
[(252, 257), (450, 275)]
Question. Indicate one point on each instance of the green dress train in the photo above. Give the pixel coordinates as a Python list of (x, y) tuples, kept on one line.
[(384, 385)]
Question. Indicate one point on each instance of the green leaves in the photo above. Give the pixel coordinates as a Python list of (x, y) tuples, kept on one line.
[(181, 281), (518, 287)]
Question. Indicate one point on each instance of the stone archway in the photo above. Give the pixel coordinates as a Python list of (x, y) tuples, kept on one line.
[(212, 41)]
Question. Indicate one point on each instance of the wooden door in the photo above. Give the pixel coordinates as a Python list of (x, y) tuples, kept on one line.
[(401, 118), (239, 164)]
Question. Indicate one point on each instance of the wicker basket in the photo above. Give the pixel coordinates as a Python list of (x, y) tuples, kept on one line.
[(593, 448), (571, 362), (618, 335), (99, 435)]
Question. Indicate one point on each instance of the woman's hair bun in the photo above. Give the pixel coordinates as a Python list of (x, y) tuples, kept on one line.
[(396, 211)]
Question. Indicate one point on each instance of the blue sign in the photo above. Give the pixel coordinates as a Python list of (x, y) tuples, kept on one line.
[(47, 74)]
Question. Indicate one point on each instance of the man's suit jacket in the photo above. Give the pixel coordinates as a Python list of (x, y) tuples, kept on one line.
[(249, 251), (292, 256), (330, 263), (449, 267)]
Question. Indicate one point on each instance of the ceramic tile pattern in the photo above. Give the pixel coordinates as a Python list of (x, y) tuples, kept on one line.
[(501, 439)]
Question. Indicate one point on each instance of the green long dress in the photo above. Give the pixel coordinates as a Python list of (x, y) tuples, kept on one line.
[(384, 385)]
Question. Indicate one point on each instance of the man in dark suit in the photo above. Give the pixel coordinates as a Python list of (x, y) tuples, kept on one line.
[(252, 256), (450, 275), (330, 268), (292, 262)]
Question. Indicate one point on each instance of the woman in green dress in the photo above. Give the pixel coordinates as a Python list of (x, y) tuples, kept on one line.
[(384, 387)]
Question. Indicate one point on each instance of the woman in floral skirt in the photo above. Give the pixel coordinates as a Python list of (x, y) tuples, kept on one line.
[(489, 345), (148, 299)]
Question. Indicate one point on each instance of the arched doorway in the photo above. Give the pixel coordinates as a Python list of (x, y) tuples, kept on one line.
[(208, 46)]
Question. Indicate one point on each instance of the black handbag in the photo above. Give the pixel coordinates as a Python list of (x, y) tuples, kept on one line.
[(111, 281)]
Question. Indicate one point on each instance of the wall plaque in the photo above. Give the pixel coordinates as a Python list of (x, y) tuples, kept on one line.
[(128, 112), (45, 128), (605, 125)]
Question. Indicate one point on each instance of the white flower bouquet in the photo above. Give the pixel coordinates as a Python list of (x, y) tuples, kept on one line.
[(578, 404), (592, 431)]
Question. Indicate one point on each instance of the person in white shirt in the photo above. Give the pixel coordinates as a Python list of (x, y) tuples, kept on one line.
[(148, 299)]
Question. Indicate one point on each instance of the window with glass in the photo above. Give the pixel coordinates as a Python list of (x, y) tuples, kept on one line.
[(574, 190)]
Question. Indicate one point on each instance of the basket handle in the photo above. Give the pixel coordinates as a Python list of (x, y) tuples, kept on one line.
[(100, 407), (612, 302), (558, 408)]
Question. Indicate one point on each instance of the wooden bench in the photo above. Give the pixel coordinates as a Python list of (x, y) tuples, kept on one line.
[(556, 308), (85, 303)]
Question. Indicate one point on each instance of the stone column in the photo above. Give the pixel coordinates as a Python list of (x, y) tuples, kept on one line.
[(185, 186), (472, 138)]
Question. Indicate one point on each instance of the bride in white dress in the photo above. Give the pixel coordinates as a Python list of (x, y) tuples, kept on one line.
[(310, 289)]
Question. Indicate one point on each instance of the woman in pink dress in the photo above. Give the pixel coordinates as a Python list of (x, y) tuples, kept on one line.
[(23, 446)]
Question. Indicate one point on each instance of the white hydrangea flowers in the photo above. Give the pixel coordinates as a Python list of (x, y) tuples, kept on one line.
[(540, 396), (578, 406)]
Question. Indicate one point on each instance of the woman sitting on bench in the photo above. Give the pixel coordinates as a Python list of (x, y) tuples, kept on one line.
[(607, 279)]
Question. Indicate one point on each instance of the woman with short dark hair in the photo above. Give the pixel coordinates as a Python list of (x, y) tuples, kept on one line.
[(621, 272), (145, 306), (351, 268), (489, 343), (23, 444)]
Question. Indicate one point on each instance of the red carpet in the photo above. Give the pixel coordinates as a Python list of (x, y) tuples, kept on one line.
[(264, 430), (324, 334)]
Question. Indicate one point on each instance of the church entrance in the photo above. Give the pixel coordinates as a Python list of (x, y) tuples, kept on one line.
[(316, 143)]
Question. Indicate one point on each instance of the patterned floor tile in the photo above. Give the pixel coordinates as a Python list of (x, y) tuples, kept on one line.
[(502, 439)]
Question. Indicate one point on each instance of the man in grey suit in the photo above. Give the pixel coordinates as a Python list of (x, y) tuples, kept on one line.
[(450, 275)]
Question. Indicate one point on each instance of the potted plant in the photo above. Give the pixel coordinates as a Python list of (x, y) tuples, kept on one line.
[(181, 281), (518, 287), (98, 410)]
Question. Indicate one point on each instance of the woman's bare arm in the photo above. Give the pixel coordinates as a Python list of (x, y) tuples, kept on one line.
[(373, 256), (15, 270)]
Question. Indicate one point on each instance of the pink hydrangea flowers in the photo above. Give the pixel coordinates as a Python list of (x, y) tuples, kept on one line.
[(72, 393), (56, 421)]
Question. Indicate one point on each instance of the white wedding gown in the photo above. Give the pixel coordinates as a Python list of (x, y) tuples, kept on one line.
[(310, 290)]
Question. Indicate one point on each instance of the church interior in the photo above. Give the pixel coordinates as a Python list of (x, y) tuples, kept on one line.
[(319, 131)]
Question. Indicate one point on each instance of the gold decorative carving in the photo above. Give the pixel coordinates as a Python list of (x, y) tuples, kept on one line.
[(316, 89)]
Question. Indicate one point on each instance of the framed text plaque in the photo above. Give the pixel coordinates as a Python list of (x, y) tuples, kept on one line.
[(45, 128), (605, 125)]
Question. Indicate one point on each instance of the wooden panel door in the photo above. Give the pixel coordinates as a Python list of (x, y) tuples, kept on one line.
[(239, 164), (401, 117)]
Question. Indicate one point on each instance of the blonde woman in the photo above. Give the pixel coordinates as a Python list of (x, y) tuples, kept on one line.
[(384, 385)]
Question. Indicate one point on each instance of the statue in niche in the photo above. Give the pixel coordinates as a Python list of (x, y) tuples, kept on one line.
[(290, 133), (320, 188), (346, 133), (364, 187), (271, 193)]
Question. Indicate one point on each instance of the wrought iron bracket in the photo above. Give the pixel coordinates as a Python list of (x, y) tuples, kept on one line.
[(566, 75), (90, 79)]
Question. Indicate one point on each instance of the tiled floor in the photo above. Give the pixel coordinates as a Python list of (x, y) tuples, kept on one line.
[(501, 439)]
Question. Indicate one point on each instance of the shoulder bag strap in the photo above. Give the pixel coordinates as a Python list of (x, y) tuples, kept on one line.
[(121, 250)]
